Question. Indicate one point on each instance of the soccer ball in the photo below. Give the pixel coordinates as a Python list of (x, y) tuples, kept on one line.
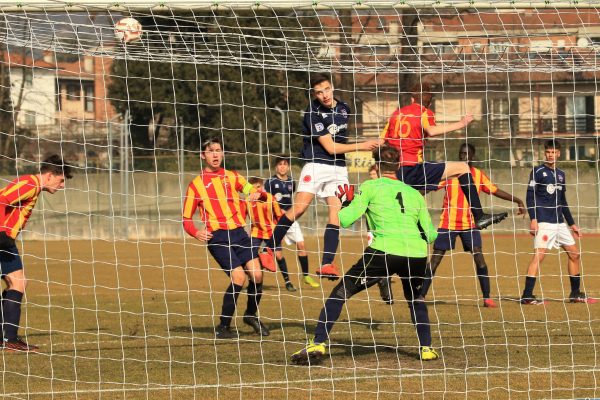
[(128, 30)]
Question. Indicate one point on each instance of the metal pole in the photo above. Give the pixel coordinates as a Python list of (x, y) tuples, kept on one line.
[(260, 148), (283, 130)]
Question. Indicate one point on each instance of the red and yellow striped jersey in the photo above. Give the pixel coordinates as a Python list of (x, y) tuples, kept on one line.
[(404, 131), (456, 213), (18, 200), (217, 196), (263, 216)]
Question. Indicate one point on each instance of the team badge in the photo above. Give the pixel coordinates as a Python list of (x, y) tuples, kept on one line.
[(319, 127), (344, 112), (306, 178)]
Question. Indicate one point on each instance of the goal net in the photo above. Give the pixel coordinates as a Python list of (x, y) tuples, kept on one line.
[(124, 304)]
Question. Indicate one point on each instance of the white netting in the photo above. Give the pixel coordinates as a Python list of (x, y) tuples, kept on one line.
[(123, 303)]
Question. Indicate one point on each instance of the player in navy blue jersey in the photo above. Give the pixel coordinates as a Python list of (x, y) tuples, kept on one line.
[(548, 210), (282, 187), (325, 130)]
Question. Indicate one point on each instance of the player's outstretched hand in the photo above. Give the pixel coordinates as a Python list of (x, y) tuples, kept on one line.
[(6, 242), (467, 119), (369, 145), (346, 194)]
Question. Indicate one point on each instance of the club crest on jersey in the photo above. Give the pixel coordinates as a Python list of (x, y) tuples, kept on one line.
[(344, 112), (560, 178), (319, 127), (290, 188)]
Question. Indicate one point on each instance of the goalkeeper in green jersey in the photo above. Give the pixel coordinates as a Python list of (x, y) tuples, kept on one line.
[(402, 229)]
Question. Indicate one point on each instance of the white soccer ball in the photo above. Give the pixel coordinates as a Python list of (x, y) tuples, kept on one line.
[(128, 30)]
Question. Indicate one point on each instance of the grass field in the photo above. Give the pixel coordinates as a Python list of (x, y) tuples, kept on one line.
[(135, 320)]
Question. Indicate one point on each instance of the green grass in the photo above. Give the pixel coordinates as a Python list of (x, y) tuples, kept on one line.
[(135, 320)]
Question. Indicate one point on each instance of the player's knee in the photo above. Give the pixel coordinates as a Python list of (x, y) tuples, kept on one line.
[(238, 276), (574, 255), (344, 290)]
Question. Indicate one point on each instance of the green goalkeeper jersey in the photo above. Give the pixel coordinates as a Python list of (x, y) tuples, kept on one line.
[(397, 217)]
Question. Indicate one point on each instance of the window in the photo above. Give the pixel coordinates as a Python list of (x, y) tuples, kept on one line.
[(88, 90), (499, 117), (439, 49), (29, 118), (73, 91), (28, 77), (499, 48)]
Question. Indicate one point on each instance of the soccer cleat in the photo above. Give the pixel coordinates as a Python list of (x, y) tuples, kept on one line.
[(580, 297), (489, 303), (489, 219), (311, 354), (532, 301), (290, 287), (256, 324), (19, 345), (266, 260), (329, 271), (225, 332), (428, 354), (385, 290), (311, 282)]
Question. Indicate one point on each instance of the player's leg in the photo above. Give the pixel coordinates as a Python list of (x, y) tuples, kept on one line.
[(301, 202), (461, 170), (252, 269), (331, 239), (365, 273), (385, 290), (473, 244), (265, 258), (12, 297), (255, 290), (282, 264), (412, 273), (527, 297), (445, 241), (295, 235)]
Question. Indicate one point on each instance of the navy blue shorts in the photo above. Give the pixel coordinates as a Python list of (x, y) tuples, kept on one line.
[(230, 248), (446, 239), (10, 261), (424, 176)]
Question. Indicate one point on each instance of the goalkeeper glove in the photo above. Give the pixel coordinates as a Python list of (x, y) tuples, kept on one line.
[(346, 191)]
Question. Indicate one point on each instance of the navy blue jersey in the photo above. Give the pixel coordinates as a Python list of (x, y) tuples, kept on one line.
[(282, 190), (320, 121), (546, 196)]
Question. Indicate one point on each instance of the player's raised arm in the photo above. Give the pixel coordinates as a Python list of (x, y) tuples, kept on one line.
[(356, 204), (341, 148), (436, 130)]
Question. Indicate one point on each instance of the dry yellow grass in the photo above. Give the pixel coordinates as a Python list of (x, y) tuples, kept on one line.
[(135, 320)]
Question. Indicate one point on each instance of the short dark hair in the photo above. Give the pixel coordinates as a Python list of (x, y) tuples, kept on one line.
[(282, 157), (387, 158), (552, 144), (319, 78), (253, 180), (421, 93), (468, 146), (56, 166), (211, 140)]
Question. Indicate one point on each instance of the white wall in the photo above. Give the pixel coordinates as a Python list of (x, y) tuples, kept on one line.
[(39, 97)]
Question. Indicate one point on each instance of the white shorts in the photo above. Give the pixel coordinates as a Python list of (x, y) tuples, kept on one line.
[(553, 236), (294, 234), (322, 180)]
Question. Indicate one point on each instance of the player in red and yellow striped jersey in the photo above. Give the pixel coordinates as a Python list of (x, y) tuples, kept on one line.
[(216, 192), (457, 221), (17, 201), (263, 219), (407, 131)]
